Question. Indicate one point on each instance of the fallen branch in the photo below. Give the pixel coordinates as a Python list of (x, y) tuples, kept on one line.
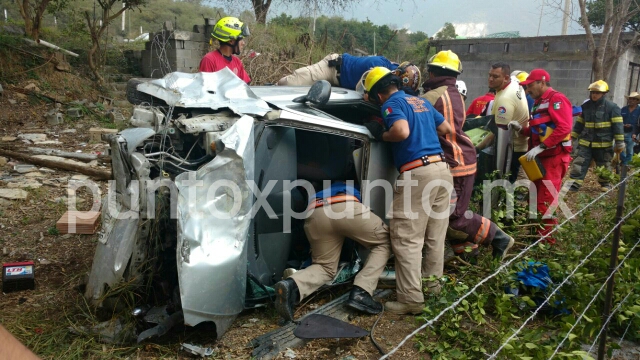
[(86, 170), (34, 93), (66, 154)]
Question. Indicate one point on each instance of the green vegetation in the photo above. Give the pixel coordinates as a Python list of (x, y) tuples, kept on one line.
[(488, 317)]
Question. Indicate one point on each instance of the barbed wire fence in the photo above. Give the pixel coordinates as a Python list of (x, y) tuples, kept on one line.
[(609, 280)]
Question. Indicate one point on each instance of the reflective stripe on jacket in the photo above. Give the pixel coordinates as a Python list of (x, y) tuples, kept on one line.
[(458, 149), (600, 124)]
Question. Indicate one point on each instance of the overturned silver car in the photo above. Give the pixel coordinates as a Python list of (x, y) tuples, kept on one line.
[(210, 188)]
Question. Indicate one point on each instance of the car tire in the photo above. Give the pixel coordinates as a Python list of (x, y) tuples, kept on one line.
[(136, 97)]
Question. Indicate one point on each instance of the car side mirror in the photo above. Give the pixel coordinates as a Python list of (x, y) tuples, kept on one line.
[(318, 94)]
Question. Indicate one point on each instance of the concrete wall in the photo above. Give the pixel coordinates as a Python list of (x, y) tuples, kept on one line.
[(566, 58), (169, 51)]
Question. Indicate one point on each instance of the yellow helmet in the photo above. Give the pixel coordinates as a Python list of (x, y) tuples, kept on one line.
[(230, 28), (520, 75), (378, 78), (599, 86), (446, 59)]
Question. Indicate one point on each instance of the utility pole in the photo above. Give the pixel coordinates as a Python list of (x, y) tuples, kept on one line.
[(565, 18), (540, 21), (123, 16), (374, 43), (315, 10)]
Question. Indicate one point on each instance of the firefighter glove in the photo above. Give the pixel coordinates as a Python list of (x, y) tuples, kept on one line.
[(531, 154), (619, 147), (376, 129), (515, 125)]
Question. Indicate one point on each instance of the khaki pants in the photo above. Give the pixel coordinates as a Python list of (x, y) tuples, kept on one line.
[(309, 74), (428, 227), (326, 237)]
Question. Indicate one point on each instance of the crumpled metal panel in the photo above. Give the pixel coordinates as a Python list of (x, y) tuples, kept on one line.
[(220, 89), (117, 239), (212, 261), (207, 123), (135, 136)]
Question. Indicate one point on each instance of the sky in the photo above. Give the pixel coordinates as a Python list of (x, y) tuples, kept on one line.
[(430, 15)]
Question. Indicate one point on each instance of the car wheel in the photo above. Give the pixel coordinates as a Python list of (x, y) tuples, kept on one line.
[(139, 98)]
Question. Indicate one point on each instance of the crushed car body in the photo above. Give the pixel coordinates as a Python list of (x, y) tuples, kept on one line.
[(207, 249)]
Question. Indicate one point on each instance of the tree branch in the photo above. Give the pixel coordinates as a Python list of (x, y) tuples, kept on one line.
[(585, 23)]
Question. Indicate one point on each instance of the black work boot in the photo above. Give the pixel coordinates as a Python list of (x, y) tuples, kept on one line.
[(501, 244), (360, 300), (286, 296)]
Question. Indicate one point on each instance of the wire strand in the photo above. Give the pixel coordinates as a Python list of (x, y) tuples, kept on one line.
[(502, 267), (606, 323), (559, 286)]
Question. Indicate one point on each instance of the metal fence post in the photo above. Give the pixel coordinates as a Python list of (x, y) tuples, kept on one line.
[(613, 261)]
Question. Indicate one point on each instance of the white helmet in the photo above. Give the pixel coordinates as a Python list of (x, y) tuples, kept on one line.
[(462, 87)]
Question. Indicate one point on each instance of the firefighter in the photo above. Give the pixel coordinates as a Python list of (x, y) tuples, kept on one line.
[(549, 141), (466, 230), (326, 234), (229, 32), (598, 132), (419, 218)]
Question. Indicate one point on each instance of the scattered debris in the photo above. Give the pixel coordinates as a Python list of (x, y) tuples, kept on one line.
[(156, 315), (54, 118), (197, 350), (4, 204), (68, 131), (12, 102), (34, 138), (79, 177), (105, 100), (290, 354), (8, 138), (32, 87), (24, 168), (47, 170), (163, 328), (18, 276), (29, 183), (13, 194), (1, 90), (65, 154), (96, 133), (111, 332), (75, 112), (78, 222), (66, 200), (59, 163), (35, 174), (3, 161)]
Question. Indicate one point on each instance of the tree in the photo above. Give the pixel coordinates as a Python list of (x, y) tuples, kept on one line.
[(98, 26), (261, 7), (32, 12), (612, 17), (596, 14), (448, 31)]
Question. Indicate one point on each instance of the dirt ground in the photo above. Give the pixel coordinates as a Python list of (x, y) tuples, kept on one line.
[(41, 318)]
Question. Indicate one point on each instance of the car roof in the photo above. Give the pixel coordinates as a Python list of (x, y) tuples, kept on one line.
[(284, 95)]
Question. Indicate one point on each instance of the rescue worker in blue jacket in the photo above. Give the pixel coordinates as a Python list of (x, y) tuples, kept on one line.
[(630, 116), (598, 132), (347, 71), (420, 209)]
